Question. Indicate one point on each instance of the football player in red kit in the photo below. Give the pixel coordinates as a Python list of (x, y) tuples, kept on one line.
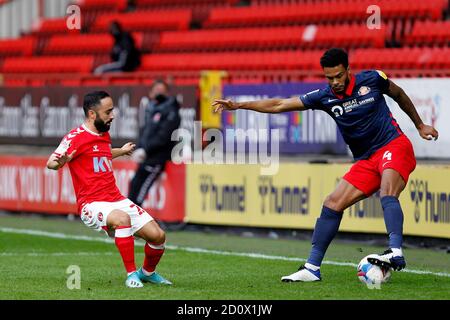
[(88, 153)]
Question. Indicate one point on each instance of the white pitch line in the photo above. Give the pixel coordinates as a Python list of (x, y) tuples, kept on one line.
[(53, 254), (201, 250)]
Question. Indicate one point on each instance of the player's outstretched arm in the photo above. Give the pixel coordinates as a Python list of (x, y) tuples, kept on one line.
[(265, 106), (55, 161), (126, 150), (398, 94)]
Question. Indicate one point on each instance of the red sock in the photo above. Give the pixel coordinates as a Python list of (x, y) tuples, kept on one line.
[(153, 253), (125, 244)]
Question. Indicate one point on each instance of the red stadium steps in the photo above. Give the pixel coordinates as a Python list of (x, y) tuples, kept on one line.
[(85, 44), (146, 20), (277, 37), (322, 12), (69, 64)]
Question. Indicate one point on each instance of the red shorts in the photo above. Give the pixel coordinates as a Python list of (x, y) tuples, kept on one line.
[(398, 154)]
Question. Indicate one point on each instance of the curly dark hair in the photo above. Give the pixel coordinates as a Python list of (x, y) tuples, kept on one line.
[(334, 57)]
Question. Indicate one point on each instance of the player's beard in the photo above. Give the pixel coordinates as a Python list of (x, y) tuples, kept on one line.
[(101, 126)]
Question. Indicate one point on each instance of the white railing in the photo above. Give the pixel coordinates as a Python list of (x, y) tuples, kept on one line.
[(18, 16)]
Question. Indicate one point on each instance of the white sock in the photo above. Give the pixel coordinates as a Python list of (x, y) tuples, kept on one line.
[(146, 273), (311, 266), (397, 252)]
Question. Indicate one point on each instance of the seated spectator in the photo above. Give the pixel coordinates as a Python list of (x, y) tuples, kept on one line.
[(124, 54)]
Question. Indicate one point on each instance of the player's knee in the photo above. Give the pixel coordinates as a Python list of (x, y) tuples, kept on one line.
[(153, 235), (334, 203), (121, 219), (389, 189), (388, 192), (160, 237)]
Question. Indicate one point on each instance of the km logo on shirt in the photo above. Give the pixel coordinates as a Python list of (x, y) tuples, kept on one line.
[(102, 164)]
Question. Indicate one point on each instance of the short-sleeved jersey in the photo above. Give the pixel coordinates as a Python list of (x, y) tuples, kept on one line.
[(361, 114), (91, 167)]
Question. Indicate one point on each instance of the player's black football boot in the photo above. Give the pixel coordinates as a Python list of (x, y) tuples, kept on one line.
[(387, 260)]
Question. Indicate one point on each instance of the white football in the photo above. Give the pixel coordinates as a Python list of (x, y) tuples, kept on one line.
[(372, 274)]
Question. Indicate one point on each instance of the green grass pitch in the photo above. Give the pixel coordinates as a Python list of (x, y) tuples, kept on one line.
[(35, 267)]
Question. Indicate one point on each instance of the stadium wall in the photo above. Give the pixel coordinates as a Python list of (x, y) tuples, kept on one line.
[(239, 196), (27, 185), (43, 115)]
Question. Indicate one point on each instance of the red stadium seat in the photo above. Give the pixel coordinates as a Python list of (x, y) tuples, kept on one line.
[(232, 61), (223, 39), (430, 33), (144, 3), (110, 5), (80, 64), (84, 44), (146, 20), (17, 47), (52, 26), (396, 59), (278, 40), (275, 37), (321, 12)]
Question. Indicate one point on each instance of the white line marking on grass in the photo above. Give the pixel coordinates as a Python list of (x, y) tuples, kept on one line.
[(53, 254), (201, 250), (54, 235)]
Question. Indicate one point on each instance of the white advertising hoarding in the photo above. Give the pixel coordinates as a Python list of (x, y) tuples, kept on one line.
[(431, 98)]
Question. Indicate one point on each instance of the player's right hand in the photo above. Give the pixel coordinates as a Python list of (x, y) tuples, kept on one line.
[(428, 132), (64, 158), (220, 105)]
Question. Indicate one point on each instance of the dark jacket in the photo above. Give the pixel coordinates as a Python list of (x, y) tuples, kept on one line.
[(161, 120), (124, 43)]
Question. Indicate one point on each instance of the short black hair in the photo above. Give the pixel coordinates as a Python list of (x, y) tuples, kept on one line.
[(334, 57), (93, 99)]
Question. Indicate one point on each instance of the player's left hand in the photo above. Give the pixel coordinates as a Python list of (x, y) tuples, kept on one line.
[(128, 148), (428, 132), (220, 105)]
